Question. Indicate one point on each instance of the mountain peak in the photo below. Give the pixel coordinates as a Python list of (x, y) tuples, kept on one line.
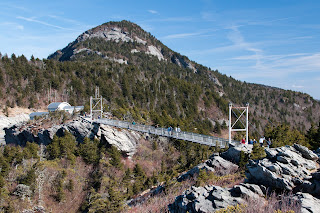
[(122, 42), (117, 31)]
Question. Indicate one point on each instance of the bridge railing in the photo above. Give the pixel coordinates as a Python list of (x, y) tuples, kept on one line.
[(188, 136)]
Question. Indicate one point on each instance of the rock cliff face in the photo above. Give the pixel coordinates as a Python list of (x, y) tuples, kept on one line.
[(7, 122), (233, 153), (212, 198), (214, 164), (285, 168), (125, 140), (20, 135), (289, 168)]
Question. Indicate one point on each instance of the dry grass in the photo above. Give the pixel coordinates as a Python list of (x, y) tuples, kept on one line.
[(17, 110), (228, 181), (273, 203), (160, 202), (79, 173), (150, 160)]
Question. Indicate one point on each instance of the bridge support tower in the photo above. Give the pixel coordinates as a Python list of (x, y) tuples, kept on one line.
[(96, 104), (244, 111)]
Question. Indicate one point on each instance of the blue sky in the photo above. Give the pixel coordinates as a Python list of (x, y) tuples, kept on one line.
[(274, 42)]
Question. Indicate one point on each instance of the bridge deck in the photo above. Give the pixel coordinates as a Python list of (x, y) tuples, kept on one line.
[(187, 136)]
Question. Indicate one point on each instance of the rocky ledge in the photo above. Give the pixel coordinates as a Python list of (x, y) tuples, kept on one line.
[(212, 198), (125, 140), (214, 164), (287, 169)]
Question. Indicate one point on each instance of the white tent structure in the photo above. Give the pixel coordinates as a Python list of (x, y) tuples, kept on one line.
[(65, 106), (56, 106)]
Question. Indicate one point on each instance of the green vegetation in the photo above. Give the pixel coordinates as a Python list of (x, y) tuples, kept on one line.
[(244, 158), (257, 152), (63, 147), (284, 135), (313, 136), (147, 90), (110, 180)]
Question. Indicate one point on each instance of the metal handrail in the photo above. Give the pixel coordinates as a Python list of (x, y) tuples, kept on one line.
[(187, 136)]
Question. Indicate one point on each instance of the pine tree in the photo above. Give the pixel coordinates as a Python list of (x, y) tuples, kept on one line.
[(243, 160), (257, 152), (115, 157)]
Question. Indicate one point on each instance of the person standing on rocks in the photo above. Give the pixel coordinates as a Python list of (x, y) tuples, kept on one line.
[(269, 142), (243, 141), (261, 141)]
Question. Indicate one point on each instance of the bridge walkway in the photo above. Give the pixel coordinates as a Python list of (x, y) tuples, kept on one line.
[(187, 136)]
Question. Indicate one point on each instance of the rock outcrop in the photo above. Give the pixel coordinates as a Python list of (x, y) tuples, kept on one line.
[(125, 140), (308, 202), (22, 191), (214, 164), (233, 153), (284, 168), (7, 122), (212, 198), (288, 168), (79, 128)]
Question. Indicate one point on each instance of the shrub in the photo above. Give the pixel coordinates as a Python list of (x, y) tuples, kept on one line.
[(244, 158), (257, 152)]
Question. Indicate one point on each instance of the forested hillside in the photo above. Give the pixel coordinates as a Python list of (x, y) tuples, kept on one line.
[(145, 81)]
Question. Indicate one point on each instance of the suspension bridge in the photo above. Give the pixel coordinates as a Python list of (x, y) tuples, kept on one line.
[(182, 135), (96, 106)]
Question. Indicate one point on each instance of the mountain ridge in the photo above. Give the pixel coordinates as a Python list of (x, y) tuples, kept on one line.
[(121, 32), (166, 89)]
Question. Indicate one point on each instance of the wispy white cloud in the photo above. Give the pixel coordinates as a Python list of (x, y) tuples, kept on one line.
[(9, 5), (12, 25), (277, 67), (20, 27), (32, 19), (269, 57), (239, 41), (302, 37), (170, 19), (37, 45), (200, 33), (153, 11), (181, 35), (64, 19), (268, 22)]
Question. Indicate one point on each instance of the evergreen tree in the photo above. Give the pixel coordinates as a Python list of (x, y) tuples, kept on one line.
[(258, 152), (115, 157), (89, 151), (244, 158)]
